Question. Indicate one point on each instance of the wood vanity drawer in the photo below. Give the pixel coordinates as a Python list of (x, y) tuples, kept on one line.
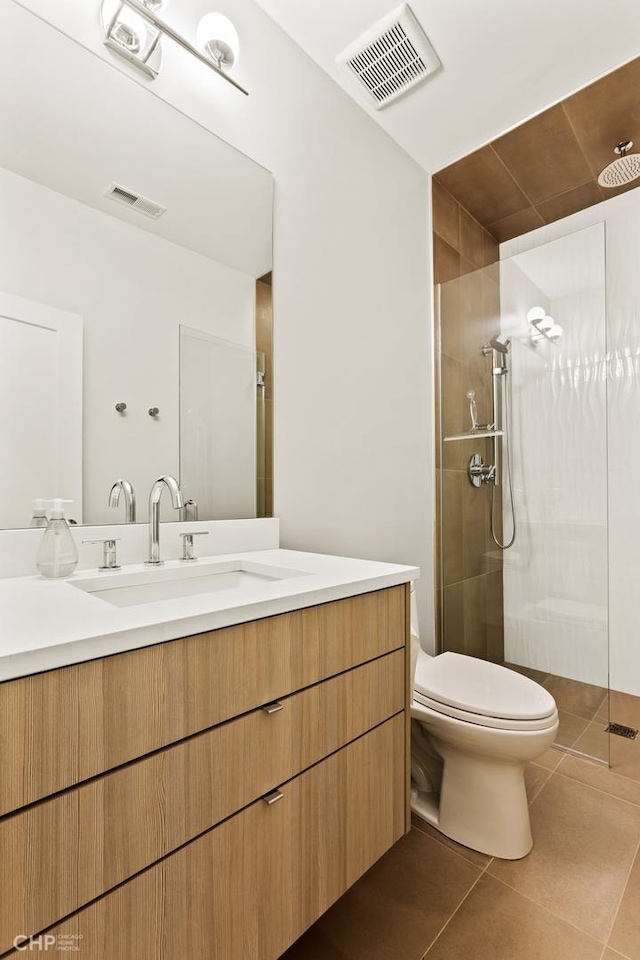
[(250, 887), (59, 854), (64, 726)]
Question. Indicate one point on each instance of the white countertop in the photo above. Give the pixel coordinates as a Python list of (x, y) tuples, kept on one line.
[(46, 624)]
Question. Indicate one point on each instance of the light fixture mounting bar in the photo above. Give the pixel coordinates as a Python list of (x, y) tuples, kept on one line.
[(168, 31)]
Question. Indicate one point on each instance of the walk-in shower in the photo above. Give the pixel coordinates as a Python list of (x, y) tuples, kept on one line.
[(523, 474)]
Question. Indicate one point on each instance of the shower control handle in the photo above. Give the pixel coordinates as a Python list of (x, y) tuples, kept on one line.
[(479, 472)]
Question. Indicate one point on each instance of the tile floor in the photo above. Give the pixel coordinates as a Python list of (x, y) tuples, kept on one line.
[(576, 896), (585, 711)]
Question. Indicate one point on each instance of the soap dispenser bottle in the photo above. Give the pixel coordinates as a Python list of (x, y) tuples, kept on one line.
[(57, 555), (39, 517)]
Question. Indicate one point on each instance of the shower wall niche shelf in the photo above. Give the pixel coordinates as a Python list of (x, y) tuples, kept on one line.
[(478, 435)]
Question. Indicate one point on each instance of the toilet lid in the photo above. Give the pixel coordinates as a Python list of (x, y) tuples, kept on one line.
[(477, 686)]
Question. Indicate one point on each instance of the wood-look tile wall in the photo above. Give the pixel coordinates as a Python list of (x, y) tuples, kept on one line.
[(548, 167), (469, 568)]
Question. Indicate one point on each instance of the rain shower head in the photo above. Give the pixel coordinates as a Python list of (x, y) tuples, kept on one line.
[(624, 170), (500, 343)]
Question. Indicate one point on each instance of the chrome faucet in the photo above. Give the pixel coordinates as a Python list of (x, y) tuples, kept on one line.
[(190, 511), (123, 486), (154, 514)]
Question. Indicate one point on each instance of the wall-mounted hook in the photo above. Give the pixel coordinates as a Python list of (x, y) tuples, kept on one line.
[(121, 407), (153, 411)]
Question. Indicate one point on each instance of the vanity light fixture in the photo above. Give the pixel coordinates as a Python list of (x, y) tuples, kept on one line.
[(543, 327), (535, 315), (218, 38), (555, 333), (133, 29), (130, 34)]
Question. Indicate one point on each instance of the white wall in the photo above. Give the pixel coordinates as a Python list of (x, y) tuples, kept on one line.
[(353, 465), (132, 290), (621, 216)]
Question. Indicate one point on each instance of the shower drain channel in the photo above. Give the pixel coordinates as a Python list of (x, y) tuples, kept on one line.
[(621, 731)]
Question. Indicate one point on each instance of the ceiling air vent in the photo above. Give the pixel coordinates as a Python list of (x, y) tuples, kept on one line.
[(135, 201), (392, 57)]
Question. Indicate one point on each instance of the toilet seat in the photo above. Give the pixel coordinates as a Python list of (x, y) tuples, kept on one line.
[(495, 723), (482, 693)]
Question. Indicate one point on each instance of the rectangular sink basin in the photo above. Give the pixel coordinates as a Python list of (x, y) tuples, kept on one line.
[(238, 577)]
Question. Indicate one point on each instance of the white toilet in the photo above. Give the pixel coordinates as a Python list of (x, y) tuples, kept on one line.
[(474, 727)]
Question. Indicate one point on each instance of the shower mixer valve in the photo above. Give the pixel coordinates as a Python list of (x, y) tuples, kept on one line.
[(480, 472)]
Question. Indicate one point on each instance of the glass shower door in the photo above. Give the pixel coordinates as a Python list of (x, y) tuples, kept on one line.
[(540, 606)]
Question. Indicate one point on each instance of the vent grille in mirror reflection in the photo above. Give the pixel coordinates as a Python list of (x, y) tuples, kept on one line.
[(134, 200)]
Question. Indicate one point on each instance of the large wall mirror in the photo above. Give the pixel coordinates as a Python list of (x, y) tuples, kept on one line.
[(135, 335)]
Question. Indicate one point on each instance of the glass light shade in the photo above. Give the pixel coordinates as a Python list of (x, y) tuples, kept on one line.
[(535, 315), (546, 323), (555, 332), (130, 30), (218, 37)]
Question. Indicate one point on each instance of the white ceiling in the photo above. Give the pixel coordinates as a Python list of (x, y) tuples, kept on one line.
[(503, 61), (75, 123)]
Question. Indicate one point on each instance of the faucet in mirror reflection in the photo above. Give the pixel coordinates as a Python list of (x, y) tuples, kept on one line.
[(125, 488), (190, 510)]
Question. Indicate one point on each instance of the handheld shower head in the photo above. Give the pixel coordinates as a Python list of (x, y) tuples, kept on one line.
[(500, 343)]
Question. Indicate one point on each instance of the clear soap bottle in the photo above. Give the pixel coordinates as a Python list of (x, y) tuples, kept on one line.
[(57, 554)]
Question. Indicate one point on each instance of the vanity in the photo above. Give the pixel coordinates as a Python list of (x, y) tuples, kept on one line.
[(199, 793), (197, 760)]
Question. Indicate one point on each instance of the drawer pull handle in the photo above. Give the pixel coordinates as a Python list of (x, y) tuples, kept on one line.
[(274, 707), (273, 797)]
